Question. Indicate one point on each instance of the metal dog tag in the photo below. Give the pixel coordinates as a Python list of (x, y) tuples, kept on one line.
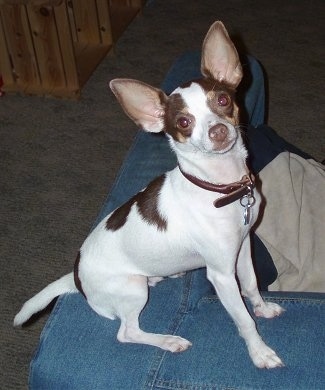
[(247, 215), (247, 201)]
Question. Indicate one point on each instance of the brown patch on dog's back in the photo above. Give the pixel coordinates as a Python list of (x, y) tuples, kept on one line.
[(147, 204), (119, 216), (77, 280)]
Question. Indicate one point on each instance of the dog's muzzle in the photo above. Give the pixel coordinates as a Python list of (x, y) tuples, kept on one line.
[(218, 133), (221, 137)]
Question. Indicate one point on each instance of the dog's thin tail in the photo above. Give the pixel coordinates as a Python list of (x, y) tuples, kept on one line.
[(43, 298)]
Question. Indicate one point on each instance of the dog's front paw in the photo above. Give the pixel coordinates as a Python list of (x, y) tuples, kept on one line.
[(264, 357), (175, 344), (268, 310)]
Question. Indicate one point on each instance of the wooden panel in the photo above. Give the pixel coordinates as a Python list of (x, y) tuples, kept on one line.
[(47, 48), (86, 20), (72, 21), (20, 47), (53, 46), (88, 57), (122, 13), (105, 28), (67, 48), (5, 65)]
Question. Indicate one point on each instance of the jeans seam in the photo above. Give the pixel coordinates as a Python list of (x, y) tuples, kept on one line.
[(180, 385), (44, 334), (182, 311), (309, 301)]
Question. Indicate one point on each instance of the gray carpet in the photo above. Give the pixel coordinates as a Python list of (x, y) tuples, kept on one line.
[(59, 158)]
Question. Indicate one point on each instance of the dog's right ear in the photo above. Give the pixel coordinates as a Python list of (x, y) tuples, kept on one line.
[(141, 102), (220, 59)]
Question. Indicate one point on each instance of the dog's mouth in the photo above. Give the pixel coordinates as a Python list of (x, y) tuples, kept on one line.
[(213, 149), (225, 146)]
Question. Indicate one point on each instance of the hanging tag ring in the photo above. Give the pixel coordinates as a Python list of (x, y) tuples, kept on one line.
[(248, 200)]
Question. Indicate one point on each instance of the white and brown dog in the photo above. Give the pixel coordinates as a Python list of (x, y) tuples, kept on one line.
[(197, 215)]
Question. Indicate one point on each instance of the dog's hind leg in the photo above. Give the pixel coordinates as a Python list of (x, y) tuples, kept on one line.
[(130, 332), (131, 303)]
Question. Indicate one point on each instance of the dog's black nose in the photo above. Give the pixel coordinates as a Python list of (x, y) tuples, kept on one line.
[(218, 133)]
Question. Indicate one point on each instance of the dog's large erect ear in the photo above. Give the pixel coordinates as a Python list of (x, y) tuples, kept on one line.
[(220, 59), (141, 102)]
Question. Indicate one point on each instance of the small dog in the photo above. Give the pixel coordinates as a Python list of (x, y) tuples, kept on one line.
[(197, 215)]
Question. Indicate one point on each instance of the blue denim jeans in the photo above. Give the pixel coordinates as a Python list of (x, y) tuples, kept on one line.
[(78, 349)]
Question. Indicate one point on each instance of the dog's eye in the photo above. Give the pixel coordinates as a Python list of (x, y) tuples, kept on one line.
[(223, 100), (183, 122)]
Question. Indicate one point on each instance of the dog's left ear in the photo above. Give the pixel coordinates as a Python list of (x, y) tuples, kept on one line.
[(141, 102), (220, 59)]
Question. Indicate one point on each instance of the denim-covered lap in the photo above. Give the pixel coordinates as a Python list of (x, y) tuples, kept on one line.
[(79, 349)]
